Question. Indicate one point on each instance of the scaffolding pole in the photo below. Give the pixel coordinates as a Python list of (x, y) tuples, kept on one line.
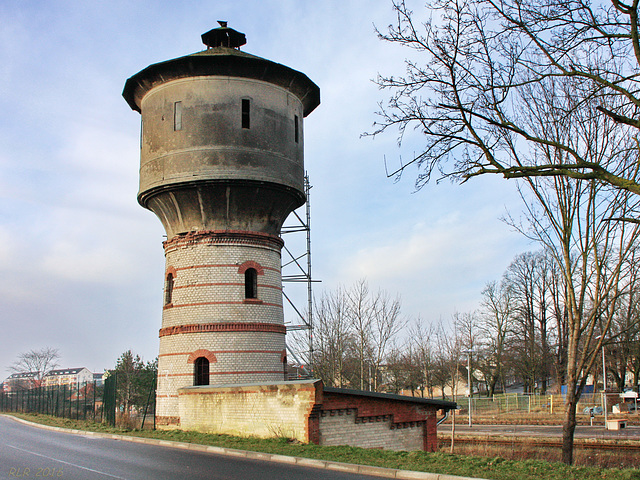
[(302, 275)]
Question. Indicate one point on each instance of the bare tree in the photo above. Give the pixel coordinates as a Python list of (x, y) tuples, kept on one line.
[(385, 325), (558, 308), (332, 336), (397, 369), (468, 331), (545, 92), (574, 223), (354, 334), (523, 277), (40, 362), (361, 308), (449, 345), (468, 93), (496, 314), (623, 344), (421, 336)]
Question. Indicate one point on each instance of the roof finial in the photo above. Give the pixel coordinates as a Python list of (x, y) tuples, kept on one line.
[(223, 36)]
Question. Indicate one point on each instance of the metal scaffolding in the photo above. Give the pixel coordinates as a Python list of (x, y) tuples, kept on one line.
[(296, 269)]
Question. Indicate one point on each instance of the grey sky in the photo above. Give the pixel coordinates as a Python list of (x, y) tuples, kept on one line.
[(81, 263)]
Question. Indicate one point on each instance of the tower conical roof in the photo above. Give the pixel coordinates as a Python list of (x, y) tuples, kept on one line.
[(222, 60)]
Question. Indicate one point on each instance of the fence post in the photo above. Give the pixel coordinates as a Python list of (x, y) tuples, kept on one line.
[(152, 389), (109, 399), (78, 399)]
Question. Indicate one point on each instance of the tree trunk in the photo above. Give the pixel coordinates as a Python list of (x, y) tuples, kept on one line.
[(453, 430), (492, 387), (569, 425)]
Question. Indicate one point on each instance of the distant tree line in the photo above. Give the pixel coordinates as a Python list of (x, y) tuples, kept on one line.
[(518, 334)]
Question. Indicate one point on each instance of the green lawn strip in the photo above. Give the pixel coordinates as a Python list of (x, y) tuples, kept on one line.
[(482, 467)]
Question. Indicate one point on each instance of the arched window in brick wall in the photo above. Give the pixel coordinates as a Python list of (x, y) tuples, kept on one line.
[(251, 283), (168, 289), (201, 371), (283, 359)]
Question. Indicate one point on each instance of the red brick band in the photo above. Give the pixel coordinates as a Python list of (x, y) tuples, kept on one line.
[(219, 352), (238, 391), (212, 237), (220, 265), (244, 302), (223, 284), (223, 327), (242, 372)]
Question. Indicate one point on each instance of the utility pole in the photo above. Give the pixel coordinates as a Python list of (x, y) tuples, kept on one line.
[(469, 352), (604, 384)]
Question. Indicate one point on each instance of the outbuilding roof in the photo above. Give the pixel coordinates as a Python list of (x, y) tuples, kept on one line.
[(440, 404)]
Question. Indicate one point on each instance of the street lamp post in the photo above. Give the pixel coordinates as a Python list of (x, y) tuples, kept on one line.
[(604, 384), (604, 381), (469, 352)]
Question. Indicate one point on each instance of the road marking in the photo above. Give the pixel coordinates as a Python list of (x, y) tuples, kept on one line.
[(66, 463)]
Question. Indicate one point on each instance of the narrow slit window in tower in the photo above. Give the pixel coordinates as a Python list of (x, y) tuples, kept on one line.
[(296, 128), (246, 113), (177, 116), (251, 283), (201, 371), (168, 289)]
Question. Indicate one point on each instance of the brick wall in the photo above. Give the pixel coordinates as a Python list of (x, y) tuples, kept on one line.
[(263, 410), (208, 311), (342, 427), (371, 420), (304, 410)]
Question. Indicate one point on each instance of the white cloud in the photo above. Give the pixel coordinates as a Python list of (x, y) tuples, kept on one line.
[(76, 250), (72, 261)]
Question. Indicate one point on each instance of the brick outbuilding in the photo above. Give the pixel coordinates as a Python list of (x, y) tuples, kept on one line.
[(311, 413)]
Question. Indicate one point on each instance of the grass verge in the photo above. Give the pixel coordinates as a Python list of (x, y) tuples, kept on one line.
[(495, 468)]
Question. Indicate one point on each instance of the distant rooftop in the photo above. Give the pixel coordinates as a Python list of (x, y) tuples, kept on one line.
[(65, 371), (24, 375)]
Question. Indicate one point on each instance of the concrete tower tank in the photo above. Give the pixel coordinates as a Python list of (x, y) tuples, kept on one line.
[(221, 166)]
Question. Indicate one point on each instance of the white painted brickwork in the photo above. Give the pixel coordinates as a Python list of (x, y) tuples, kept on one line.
[(265, 410), (209, 290), (341, 429)]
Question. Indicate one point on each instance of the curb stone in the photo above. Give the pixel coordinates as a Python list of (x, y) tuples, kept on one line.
[(269, 457)]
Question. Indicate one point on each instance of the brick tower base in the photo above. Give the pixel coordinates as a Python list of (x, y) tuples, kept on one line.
[(207, 314)]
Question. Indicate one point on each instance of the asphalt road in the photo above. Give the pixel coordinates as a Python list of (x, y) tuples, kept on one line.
[(31, 452)]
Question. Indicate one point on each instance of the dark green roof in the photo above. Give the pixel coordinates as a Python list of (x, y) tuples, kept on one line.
[(226, 62), (440, 404)]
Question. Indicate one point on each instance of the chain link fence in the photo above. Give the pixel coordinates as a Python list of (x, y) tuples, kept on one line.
[(79, 401), (89, 401), (543, 404)]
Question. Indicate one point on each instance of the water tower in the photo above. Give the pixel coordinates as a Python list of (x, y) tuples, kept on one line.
[(221, 165)]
